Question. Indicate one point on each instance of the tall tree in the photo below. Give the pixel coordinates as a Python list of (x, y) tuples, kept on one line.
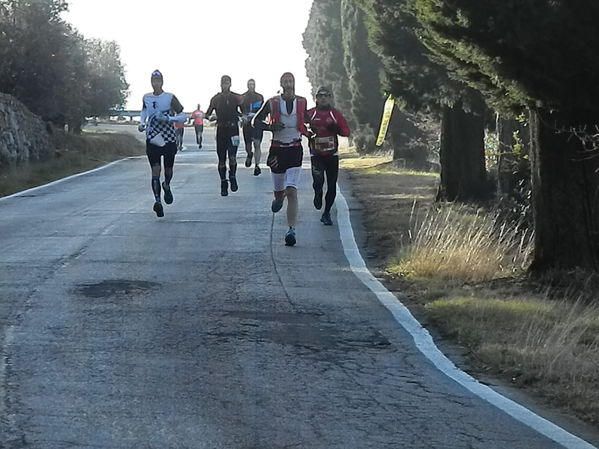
[(50, 67), (495, 46), (423, 85)]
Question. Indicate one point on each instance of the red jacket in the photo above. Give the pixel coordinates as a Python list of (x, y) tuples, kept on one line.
[(324, 141)]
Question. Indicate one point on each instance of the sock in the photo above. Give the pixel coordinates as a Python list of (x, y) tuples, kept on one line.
[(156, 187)]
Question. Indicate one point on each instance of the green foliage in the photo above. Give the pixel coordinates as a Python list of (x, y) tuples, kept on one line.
[(51, 68), (539, 53)]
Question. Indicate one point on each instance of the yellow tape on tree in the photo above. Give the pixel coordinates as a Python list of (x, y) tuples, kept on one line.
[(387, 111)]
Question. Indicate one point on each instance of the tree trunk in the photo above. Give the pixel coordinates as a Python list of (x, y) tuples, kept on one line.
[(565, 187), (462, 156)]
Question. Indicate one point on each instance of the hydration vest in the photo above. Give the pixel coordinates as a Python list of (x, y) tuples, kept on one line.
[(275, 112)]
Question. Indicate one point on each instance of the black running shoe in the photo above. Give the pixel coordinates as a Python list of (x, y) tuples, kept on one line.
[(290, 237), (318, 199), (248, 159), (326, 219), (158, 209), (276, 205), (168, 195), (234, 186), (224, 188), (257, 171)]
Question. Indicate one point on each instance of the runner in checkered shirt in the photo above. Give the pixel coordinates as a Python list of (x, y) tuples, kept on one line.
[(159, 111)]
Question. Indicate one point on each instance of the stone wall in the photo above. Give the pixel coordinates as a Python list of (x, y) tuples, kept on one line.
[(23, 135)]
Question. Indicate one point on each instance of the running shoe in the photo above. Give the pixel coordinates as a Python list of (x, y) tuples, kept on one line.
[(233, 181), (158, 209), (224, 188), (318, 199), (257, 171), (248, 159), (168, 195), (290, 237), (326, 219), (276, 205)]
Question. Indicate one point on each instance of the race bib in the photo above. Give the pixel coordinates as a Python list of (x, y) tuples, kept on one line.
[(324, 143)]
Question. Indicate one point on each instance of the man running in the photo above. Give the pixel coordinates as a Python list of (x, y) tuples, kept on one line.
[(159, 110), (227, 105), (287, 114), (197, 118), (252, 102), (326, 123)]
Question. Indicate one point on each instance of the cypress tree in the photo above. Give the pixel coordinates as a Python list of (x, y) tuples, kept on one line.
[(537, 55)]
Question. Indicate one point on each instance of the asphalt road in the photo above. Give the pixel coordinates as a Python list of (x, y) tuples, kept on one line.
[(202, 330)]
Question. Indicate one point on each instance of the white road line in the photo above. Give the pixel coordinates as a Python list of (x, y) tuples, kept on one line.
[(58, 181), (427, 347)]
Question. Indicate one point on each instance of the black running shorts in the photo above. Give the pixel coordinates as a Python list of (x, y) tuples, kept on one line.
[(155, 152), (280, 158)]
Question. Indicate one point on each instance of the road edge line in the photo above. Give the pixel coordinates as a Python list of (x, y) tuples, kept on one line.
[(425, 344), (58, 181)]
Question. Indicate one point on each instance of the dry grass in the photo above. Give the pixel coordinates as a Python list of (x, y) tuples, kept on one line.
[(455, 243), (551, 346), (462, 270), (74, 154)]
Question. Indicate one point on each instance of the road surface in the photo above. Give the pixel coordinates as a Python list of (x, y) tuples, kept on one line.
[(202, 330)]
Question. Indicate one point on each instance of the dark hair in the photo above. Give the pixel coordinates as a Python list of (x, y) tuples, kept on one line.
[(287, 74), (251, 80), (225, 77)]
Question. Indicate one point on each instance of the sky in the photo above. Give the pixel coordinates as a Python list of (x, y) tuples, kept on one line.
[(194, 42)]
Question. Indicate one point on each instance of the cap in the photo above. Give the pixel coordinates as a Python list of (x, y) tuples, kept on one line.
[(323, 91)]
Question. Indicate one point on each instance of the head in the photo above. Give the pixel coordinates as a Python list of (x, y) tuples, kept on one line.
[(225, 83), (199, 107), (323, 97), (156, 80), (251, 85), (288, 82)]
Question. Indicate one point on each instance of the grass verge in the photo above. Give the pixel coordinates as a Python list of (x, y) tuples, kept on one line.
[(461, 269), (74, 154)]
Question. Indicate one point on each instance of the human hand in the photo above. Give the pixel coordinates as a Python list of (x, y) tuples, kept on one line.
[(162, 117), (277, 126), (212, 118), (141, 128)]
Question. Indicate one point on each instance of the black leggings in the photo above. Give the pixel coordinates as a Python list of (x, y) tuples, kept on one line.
[(199, 129), (328, 165), (225, 146)]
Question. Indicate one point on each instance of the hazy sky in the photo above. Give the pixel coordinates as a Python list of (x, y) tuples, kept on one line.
[(194, 42)]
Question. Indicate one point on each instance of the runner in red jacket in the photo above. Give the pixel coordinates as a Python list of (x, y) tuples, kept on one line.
[(326, 123)]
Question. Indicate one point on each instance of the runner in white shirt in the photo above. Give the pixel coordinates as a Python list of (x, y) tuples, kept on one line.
[(159, 111)]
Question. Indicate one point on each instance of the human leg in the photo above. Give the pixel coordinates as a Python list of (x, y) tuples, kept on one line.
[(232, 152), (318, 172), (154, 154), (247, 139), (222, 145), (257, 142), (170, 150)]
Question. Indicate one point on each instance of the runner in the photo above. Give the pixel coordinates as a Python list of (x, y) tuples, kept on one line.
[(197, 118), (326, 123), (287, 113), (159, 110), (227, 105), (252, 102)]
